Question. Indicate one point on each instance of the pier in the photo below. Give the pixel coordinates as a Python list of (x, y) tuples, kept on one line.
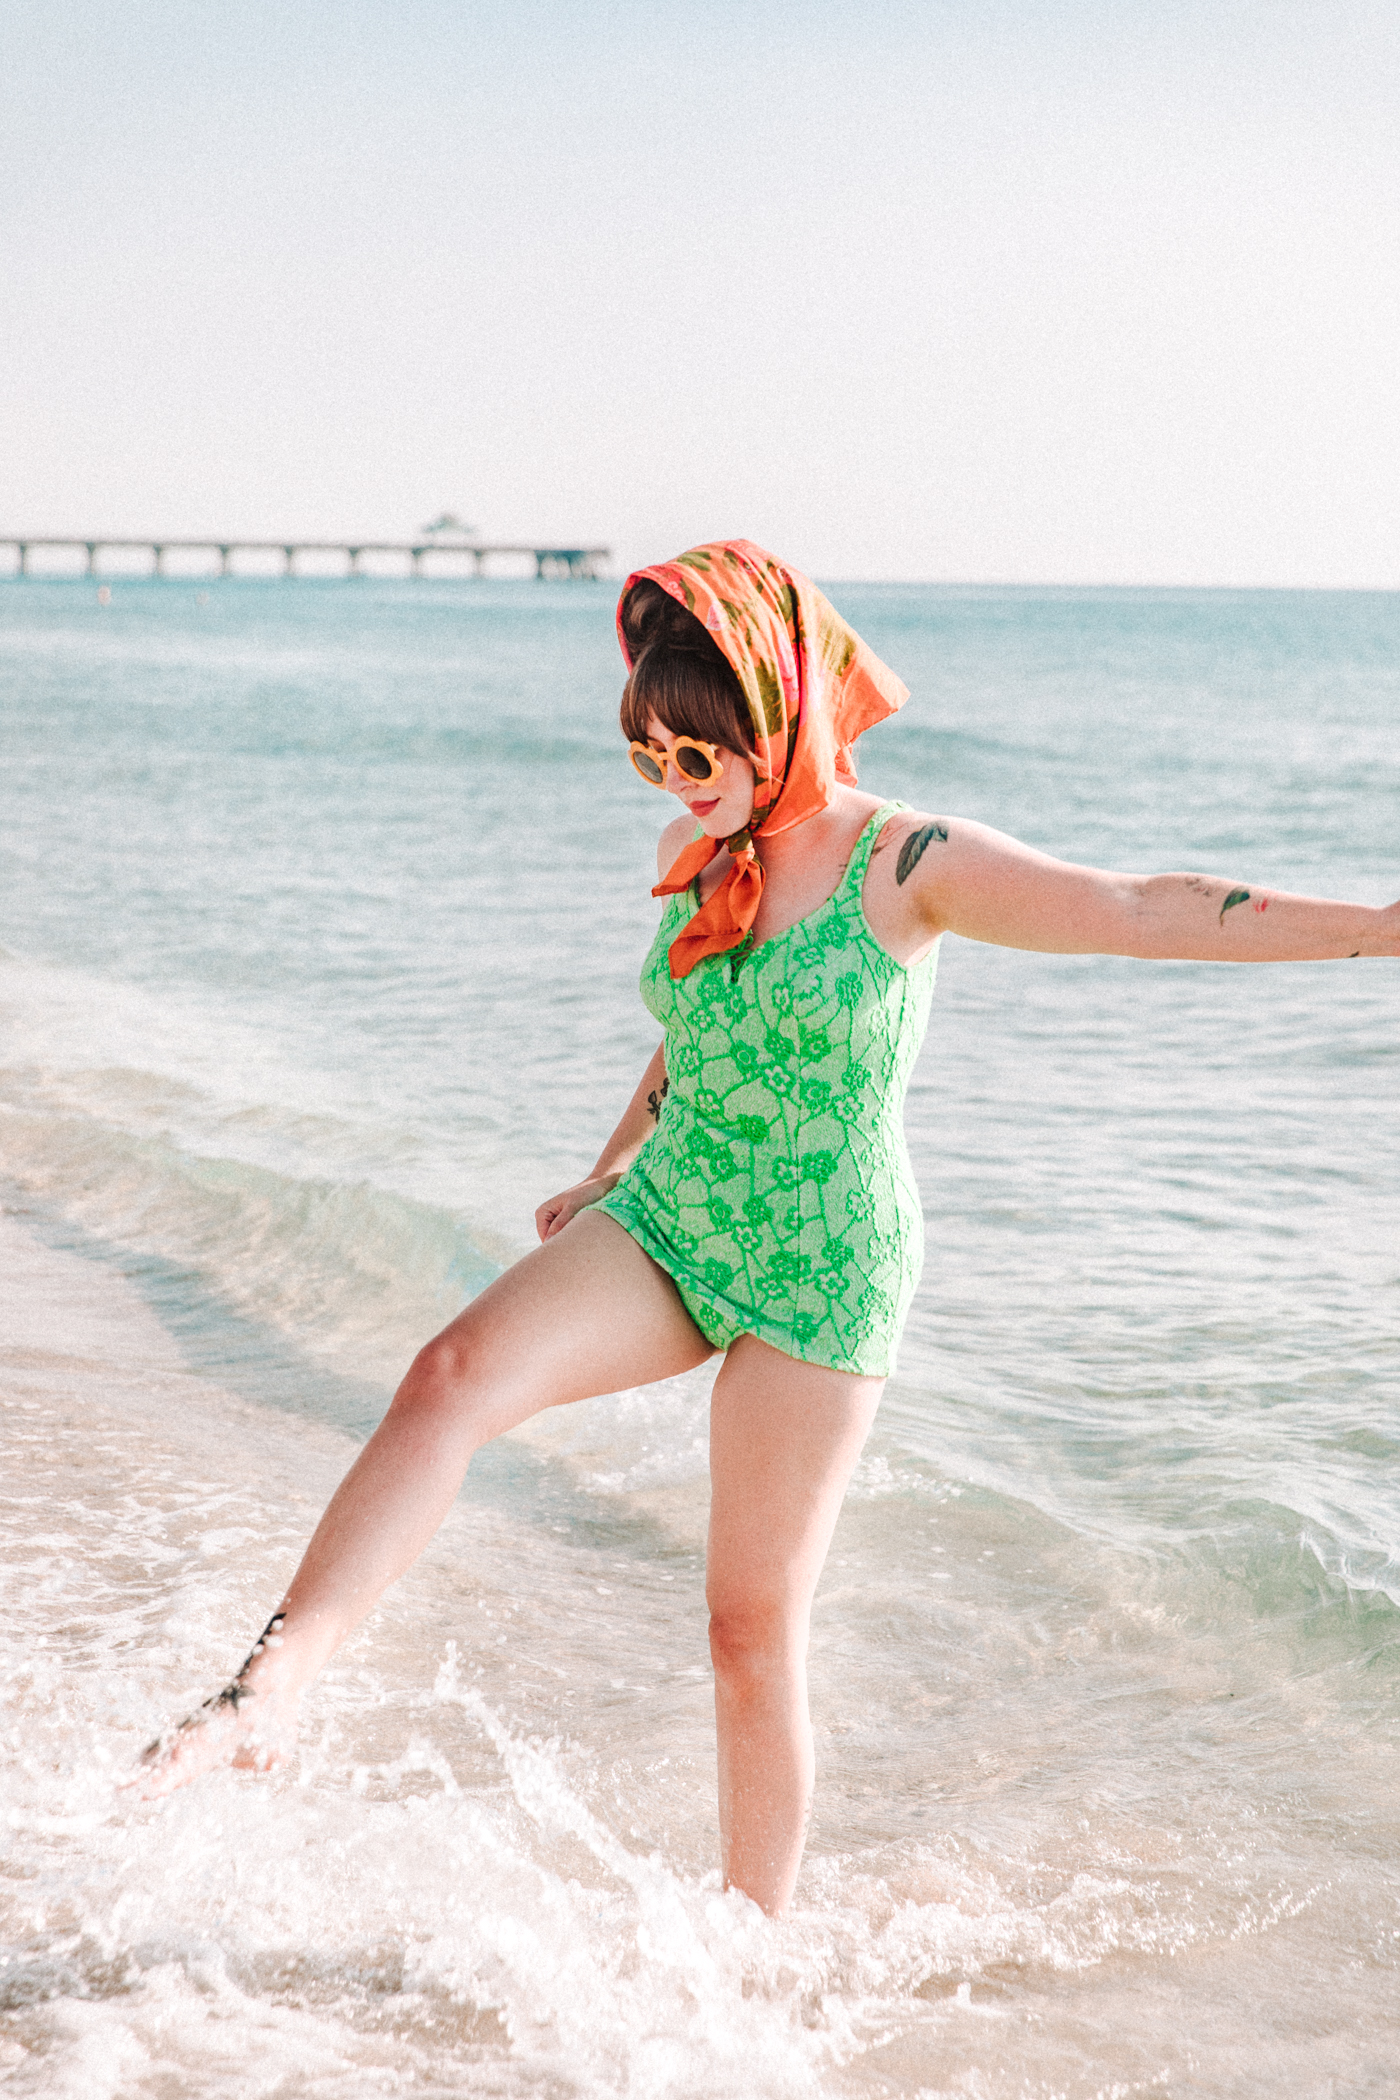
[(549, 561)]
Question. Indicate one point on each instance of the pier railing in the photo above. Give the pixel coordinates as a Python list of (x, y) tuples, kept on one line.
[(549, 561)]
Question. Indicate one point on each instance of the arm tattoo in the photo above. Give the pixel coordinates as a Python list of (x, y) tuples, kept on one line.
[(655, 1099), (1235, 897), (912, 851)]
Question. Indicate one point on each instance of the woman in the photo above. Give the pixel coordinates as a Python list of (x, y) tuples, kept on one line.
[(755, 1198)]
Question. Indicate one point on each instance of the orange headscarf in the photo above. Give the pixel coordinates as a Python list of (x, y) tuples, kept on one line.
[(812, 686)]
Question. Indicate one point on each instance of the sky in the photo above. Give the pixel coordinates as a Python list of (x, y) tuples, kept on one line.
[(1004, 292)]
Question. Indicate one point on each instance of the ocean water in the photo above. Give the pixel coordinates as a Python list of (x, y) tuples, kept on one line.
[(321, 909)]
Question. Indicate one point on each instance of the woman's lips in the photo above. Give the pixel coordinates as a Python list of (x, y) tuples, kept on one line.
[(703, 809)]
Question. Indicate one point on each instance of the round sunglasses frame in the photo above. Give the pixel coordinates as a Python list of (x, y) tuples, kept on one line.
[(644, 755)]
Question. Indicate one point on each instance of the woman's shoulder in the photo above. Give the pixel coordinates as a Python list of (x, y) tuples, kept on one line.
[(673, 842), (857, 810), (906, 824)]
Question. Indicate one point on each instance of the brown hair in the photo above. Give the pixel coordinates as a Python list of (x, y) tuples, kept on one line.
[(679, 674)]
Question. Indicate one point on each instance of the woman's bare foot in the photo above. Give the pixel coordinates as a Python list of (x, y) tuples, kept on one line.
[(251, 1723)]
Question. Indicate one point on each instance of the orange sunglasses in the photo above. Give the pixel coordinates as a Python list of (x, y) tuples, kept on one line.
[(698, 763)]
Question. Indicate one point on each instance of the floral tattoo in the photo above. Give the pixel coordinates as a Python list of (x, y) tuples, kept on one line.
[(656, 1097), (1232, 897)]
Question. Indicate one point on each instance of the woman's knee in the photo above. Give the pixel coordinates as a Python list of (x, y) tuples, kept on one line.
[(439, 1365), (752, 1638), (445, 1375)]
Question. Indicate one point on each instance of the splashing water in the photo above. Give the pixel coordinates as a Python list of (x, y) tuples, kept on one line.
[(297, 1023)]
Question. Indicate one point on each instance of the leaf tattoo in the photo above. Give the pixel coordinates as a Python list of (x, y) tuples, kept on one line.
[(1235, 897), (655, 1099), (912, 851)]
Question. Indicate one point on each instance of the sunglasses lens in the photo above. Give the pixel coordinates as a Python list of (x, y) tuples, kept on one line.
[(648, 768), (696, 765)]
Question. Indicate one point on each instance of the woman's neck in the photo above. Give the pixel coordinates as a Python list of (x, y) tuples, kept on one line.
[(844, 818)]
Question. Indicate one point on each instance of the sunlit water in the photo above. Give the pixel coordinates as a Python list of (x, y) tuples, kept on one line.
[(322, 911)]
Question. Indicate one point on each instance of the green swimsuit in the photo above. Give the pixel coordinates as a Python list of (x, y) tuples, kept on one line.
[(776, 1190)]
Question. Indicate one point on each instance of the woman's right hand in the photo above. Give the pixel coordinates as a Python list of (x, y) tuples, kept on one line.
[(554, 1214), (639, 1120)]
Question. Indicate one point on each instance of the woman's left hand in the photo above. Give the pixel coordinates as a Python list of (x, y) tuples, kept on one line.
[(554, 1214)]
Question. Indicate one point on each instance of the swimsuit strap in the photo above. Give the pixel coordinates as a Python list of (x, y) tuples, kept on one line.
[(852, 881), (865, 845)]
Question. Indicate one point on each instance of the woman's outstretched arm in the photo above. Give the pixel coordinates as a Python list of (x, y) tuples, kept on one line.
[(966, 878), (639, 1119)]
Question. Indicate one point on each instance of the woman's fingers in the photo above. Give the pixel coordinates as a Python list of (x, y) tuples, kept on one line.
[(553, 1215), (568, 1207)]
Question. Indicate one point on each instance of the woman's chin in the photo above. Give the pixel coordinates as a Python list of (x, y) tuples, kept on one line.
[(717, 822)]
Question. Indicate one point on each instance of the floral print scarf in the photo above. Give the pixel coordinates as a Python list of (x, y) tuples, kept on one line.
[(811, 685)]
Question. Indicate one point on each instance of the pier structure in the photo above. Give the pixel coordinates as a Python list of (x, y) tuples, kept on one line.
[(549, 562)]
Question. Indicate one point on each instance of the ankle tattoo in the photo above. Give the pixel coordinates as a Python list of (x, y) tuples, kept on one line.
[(234, 1694), (270, 1637)]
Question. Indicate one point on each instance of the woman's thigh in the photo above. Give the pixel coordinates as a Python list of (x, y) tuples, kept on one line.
[(784, 1441), (586, 1313)]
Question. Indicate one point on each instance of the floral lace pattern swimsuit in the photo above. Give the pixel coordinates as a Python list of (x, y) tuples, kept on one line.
[(776, 1190)]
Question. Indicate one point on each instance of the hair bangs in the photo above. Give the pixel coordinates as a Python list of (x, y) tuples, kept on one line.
[(679, 674), (688, 697)]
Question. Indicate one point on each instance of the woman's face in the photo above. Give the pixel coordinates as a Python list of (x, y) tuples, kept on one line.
[(721, 807)]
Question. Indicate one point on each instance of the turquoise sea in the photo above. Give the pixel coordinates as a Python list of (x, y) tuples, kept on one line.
[(321, 910)]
